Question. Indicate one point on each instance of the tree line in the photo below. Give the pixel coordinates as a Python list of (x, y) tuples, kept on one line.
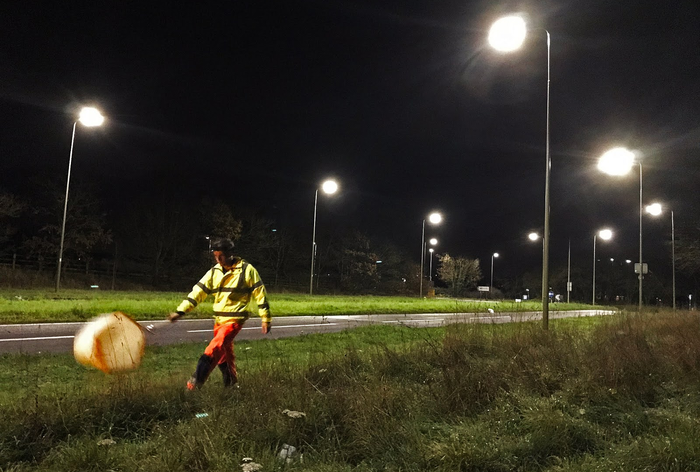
[(165, 241)]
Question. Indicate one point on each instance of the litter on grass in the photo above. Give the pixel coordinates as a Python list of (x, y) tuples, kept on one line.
[(293, 414)]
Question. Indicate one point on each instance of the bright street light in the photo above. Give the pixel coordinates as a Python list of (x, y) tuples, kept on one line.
[(434, 219), (88, 117), (533, 236), (619, 161), (655, 209), (433, 241), (605, 235), (495, 254), (507, 34), (329, 187)]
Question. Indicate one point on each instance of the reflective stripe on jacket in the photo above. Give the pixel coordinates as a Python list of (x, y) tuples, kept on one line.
[(232, 293)]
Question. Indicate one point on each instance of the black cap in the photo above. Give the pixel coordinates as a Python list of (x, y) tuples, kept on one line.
[(224, 245)]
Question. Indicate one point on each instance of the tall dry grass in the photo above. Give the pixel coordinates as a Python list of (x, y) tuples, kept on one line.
[(620, 393)]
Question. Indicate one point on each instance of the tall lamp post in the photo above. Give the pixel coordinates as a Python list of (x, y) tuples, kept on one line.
[(494, 255), (433, 242), (430, 269), (434, 218), (605, 235), (89, 117), (655, 210), (507, 34), (328, 187), (617, 162)]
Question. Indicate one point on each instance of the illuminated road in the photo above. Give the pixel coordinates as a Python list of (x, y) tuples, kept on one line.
[(58, 337)]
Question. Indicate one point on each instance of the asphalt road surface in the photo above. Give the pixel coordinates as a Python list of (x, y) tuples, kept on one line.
[(58, 337)]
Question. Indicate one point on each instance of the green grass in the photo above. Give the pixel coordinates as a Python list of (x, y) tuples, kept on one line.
[(612, 393), (22, 306)]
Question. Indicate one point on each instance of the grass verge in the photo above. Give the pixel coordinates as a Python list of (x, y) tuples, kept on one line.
[(616, 393), (23, 306)]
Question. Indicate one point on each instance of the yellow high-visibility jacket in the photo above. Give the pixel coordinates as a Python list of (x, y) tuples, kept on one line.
[(232, 293)]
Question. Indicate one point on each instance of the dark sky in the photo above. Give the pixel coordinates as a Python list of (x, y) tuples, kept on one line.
[(402, 101)]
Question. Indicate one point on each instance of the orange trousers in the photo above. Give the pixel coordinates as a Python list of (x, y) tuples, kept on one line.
[(220, 350)]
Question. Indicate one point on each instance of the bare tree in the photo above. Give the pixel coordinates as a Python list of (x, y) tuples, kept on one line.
[(459, 273)]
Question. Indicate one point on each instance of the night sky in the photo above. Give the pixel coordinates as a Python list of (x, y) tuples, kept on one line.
[(402, 101)]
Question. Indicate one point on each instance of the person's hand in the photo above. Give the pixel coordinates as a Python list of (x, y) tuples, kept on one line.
[(173, 317), (266, 327)]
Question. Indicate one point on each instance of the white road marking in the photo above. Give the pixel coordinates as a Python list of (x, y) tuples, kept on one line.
[(36, 339), (276, 327)]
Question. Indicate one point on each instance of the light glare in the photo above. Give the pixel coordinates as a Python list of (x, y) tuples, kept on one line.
[(617, 161), (495, 254), (507, 34), (605, 234), (533, 236), (654, 209), (90, 116), (433, 241), (435, 218), (329, 187)]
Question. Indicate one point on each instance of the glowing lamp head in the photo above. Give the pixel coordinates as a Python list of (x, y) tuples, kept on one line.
[(605, 234), (90, 117), (507, 34), (533, 236), (495, 254), (329, 187), (433, 241), (654, 209), (431, 250), (617, 161), (435, 218)]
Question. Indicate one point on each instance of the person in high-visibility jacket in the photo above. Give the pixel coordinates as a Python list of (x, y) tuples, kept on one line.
[(232, 282)]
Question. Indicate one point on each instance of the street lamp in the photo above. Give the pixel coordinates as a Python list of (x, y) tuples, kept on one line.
[(434, 218), (328, 187), (433, 242), (655, 210), (507, 34), (605, 234), (89, 117), (495, 254), (431, 250), (617, 162)]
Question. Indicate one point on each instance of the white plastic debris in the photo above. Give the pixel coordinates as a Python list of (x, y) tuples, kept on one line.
[(287, 453), (293, 414)]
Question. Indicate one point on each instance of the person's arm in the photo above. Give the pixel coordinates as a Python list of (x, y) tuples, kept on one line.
[(198, 294), (260, 295)]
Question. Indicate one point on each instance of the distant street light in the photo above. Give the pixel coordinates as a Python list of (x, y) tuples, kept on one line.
[(533, 236), (617, 162), (655, 210), (433, 242), (329, 187), (507, 34), (431, 250), (88, 117), (495, 254), (434, 218), (605, 234)]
